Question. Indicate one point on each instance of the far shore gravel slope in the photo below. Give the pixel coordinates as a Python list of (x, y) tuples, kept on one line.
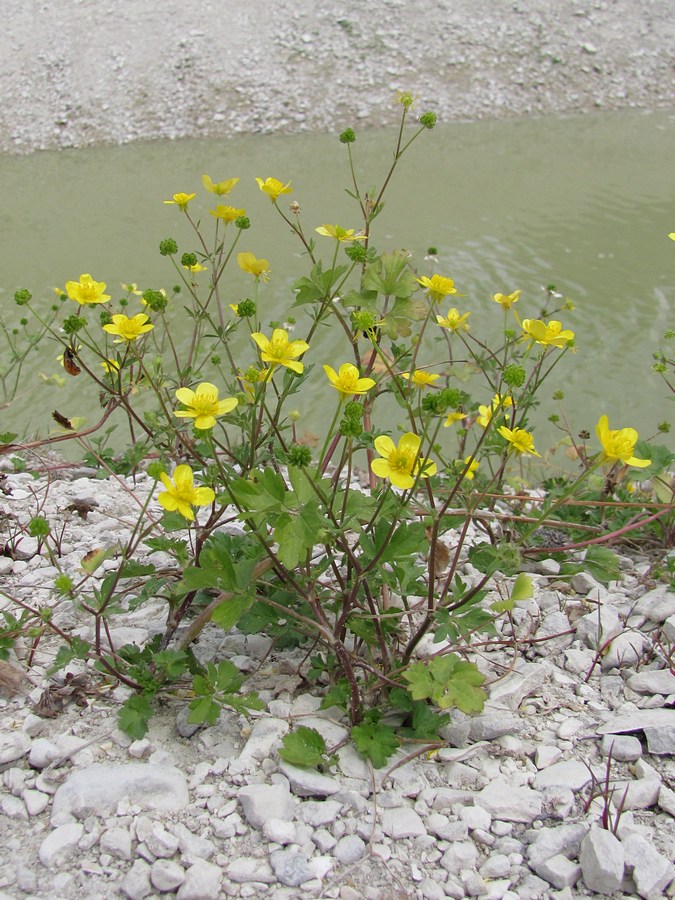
[(79, 72)]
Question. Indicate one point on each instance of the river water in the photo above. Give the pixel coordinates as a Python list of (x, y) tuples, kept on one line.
[(584, 203)]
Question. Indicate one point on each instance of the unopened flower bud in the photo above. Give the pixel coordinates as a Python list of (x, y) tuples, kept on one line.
[(428, 120), (22, 297), (294, 207), (348, 136), (168, 247)]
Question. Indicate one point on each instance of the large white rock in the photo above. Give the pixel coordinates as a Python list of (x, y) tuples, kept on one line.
[(60, 844), (599, 627), (402, 822), (658, 604), (508, 802), (202, 882), (655, 681), (96, 790), (602, 861), (652, 873), (261, 802), (569, 773)]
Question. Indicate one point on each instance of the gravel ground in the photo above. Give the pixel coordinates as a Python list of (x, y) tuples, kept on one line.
[(78, 72), (503, 811)]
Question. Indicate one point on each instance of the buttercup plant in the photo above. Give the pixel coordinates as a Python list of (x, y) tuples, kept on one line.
[(343, 548)]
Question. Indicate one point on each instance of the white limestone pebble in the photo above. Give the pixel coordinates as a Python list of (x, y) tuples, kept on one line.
[(621, 747), (318, 813), (160, 842), (202, 882), (602, 861), (36, 802), (280, 831), (166, 875), (290, 867), (546, 755), (261, 802), (657, 604), (652, 872), (192, 846), (509, 802), (570, 773), (60, 844), (13, 807), (136, 883), (599, 627), (460, 855), (402, 822), (266, 734), (13, 745), (97, 789), (656, 681), (116, 842), (349, 849), (250, 868), (308, 782), (560, 871)]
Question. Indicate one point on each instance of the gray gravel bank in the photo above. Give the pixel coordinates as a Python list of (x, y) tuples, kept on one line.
[(79, 72)]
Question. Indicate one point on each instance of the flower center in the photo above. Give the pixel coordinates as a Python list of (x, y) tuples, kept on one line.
[(401, 462)]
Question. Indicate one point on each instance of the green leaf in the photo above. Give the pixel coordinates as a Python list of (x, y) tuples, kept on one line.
[(523, 588), (448, 681), (95, 558), (375, 741), (200, 578), (204, 709), (425, 722), (227, 614), (304, 747), (134, 715), (318, 285), (131, 568), (337, 695), (660, 456), (7, 437), (504, 557), (390, 275), (173, 521), (603, 564)]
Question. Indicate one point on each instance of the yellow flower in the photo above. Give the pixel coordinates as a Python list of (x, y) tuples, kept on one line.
[(86, 290), (672, 235), (259, 268), (520, 440), (180, 200), (507, 300), (110, 365), (227, 213), (618, 444), (485, 413), (131, 289), (181, 493), (274, 188), (127, 328), (471, 471), (203, 405), (340, 234), (438, 287), (551, 335), (421, 378), (196, 269), (402, 464), (348, 381), (280, 351), (221, 188), (454, 320), (454, 417)]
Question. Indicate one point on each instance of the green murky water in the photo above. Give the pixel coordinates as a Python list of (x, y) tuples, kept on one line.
[(584, 203)]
